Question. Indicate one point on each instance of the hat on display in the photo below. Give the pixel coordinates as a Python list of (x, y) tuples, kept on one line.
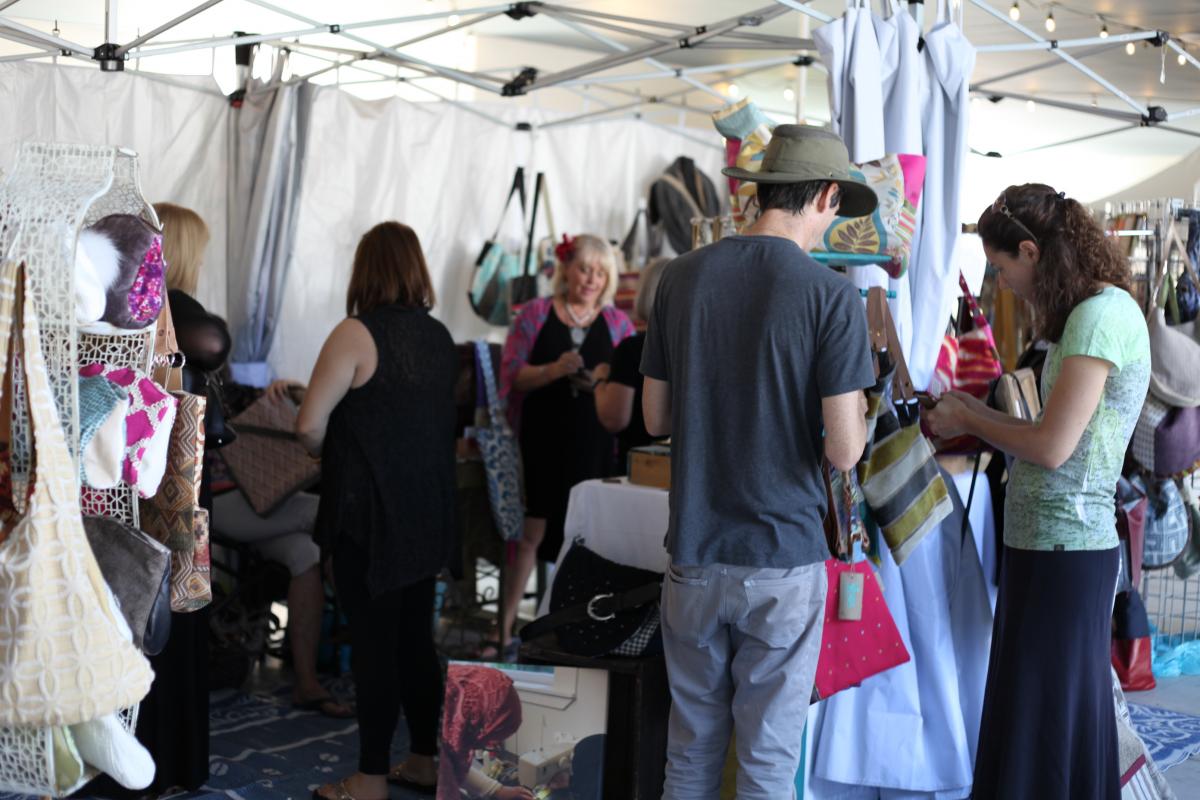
[(799, 153)]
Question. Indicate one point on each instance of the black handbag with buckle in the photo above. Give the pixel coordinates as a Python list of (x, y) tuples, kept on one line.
[(599, 607)]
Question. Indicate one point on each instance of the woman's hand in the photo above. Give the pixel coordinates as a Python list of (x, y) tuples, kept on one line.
[(948, 419), (601, 372), (568, 363), (278, 390), (513, 793)]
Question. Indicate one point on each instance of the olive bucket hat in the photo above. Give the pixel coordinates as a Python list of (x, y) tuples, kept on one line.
[(798, 153)]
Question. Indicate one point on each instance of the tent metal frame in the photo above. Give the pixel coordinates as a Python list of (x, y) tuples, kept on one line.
[(655, 38)]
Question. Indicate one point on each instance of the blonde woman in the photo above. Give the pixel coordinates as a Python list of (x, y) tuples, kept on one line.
[(545, 374)]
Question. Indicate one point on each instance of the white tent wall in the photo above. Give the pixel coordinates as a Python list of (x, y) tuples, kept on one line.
[(178, 133), (445, 171), (1181, 179)]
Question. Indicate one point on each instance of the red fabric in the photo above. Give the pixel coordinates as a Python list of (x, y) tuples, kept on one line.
[(482, 708), (1131, 660), (1131, 527), (852, 651)]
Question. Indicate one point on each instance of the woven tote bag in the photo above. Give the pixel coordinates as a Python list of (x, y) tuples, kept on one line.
[(65, 656)]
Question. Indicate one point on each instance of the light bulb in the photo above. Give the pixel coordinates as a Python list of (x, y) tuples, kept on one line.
[(1104, 31), (733, 90), (789, 93), (1030, 106), (453, 19), (1014, 13), (1050, 23), (1130, 49), (1182, 59)]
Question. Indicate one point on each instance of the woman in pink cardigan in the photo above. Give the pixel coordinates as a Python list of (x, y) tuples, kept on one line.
[(546, 376)]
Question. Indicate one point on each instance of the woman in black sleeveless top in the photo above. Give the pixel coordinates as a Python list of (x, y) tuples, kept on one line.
[(380, 413)]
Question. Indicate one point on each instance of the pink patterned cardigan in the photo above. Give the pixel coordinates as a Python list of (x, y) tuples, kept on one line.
[(524, 332)]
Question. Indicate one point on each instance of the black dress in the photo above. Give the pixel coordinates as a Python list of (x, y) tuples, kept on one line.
[(562, 441), (627, 371), (388, 462)]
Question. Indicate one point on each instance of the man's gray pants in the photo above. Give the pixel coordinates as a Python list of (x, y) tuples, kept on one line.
[(741, 646)]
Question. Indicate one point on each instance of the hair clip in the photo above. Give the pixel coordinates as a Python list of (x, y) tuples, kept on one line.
[(565, 250)]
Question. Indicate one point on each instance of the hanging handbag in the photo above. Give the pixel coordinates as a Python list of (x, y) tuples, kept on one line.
[(1168, 523), (83, 665), (969, 363), (1166, 440), (501, 456), (903, 487), (138, 571), (1174, 351), (1016, 394), (1132, 507), (496, 267), (1131, 643), (167, 515), (266, 461), (600, 607), (191, 578), (854, 646), (524, 287)]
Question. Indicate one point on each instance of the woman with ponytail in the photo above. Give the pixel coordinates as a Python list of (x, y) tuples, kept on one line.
[(1048, 729)]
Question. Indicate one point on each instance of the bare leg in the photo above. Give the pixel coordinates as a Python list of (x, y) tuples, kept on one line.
[(518, 575), (306, 600)]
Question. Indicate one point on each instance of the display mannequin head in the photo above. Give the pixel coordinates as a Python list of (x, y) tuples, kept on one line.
[(1050, 251)]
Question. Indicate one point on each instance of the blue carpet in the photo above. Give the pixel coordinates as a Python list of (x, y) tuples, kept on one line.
[(260, 748), (1171, 737)]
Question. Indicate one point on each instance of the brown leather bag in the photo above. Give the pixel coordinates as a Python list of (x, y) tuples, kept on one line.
[(268, 463)]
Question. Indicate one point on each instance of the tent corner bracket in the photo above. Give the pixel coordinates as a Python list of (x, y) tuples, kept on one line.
[(524, 10), (108, 57)]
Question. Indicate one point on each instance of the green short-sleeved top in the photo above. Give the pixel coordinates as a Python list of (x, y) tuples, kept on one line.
[(1073, 507)]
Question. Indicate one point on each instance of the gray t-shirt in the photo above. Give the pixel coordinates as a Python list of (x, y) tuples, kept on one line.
[(751, 333)]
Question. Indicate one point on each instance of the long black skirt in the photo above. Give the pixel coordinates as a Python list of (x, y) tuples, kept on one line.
[(1049, 727)]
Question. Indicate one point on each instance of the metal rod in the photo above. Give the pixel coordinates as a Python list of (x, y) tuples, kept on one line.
[(452, 74), (464, 106), (672, 26), (654, 37), (110, 20), (722, 45), (494, 9), (671, 73), (598, 113), (27, 56), (1177, 115), (1064, 56), (1066, 44), (1173, 129), (1053, 62), (703, 33), (6, 3), (184, 17), (621, 48), (685, 134), (45, 38), (1126, 116), (803, 9), (1174, 45), (1076, 140), (226, 41)]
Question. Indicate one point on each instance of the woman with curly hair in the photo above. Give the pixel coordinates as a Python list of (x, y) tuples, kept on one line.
[(1048, 729)]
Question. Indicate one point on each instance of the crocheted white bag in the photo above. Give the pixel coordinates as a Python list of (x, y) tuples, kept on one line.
[(63, 659)]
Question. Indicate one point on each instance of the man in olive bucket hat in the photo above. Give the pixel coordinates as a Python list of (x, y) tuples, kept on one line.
[(755, 361)]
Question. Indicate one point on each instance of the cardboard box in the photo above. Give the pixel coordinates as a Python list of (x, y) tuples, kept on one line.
[(650, 466)]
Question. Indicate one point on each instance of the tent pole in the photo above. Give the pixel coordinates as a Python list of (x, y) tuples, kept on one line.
[(1184, 131), (185, 16), (27, 56), (464, 106), (1076, 140), (6, 3), (225, 41), (110, 20), (586, 12), (45, 38), (1187, 56), (1066, 44), (612, 44), (797, 5), (1125, 116), (702, 33), (1178, 115), (1054, 62), (671, 73), (564, 14), (1141, 110)]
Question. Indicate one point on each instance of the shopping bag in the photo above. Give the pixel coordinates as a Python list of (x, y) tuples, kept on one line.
[(501, 456), (191, 572), (495, 268), (267, 461), (900, 479), (78, 662)]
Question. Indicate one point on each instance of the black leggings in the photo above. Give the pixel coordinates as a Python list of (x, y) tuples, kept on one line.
[(394, 660)]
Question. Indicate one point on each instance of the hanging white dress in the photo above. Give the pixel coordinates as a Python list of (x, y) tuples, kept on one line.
[(850, 52), (949, 60), (910, 732)]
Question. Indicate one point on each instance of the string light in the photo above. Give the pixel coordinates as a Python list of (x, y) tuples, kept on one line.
[(1182, 59), (1014, 13), (1130, 49), (1104, 31), (1050, 23), (789, 94), (733, 90), (453, 19), (1030, 106)]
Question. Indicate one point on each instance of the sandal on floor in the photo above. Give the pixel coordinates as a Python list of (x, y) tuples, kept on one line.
[(327, 706), (397, 778), (498, 653), (339, 792)]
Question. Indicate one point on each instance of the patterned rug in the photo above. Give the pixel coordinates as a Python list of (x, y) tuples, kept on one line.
[(263, 749), (1171, 737)]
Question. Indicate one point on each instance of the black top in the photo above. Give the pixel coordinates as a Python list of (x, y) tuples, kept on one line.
[(626, 370), (782, 332), (562, 440), (388, 470), (203, 338)]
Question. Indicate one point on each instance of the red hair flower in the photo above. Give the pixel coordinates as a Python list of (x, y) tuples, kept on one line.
[(565, 250)]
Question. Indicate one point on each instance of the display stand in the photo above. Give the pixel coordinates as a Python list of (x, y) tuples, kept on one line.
[(54, 191)]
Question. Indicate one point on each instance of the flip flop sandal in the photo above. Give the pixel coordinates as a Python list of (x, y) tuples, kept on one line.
[(319, 704), (395, 778)]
